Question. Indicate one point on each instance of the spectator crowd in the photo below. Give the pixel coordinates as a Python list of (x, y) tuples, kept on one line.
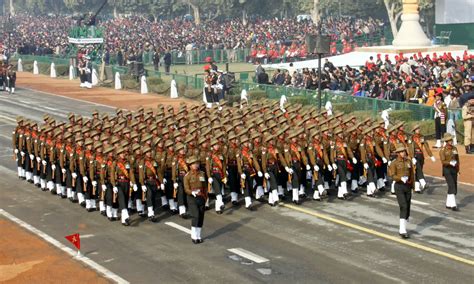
[(267, 39), (416, 78)]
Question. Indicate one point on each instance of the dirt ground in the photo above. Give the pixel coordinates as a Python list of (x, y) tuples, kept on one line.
[(25, 258), (132, 100)]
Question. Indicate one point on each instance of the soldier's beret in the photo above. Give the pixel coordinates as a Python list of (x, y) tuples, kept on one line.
[(97, 145), (447, 137), (88, 142), (179, 146), (146, 137), (95, 112), (169, 143), (400, 148), (136, 147), (244, 139), (70, 115), (417, 126), (108, 150)]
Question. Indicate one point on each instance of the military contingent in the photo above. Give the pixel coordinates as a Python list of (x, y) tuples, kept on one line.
[(178, 159)]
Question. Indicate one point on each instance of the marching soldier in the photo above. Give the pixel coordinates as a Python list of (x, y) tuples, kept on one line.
[(233, 176), (319, 159), (248, 168), (369, 150), (122, 178), (402, 173), (168, 166), (109, 196), (449, 157), (195, 188), (417, 146), (271, 157), (19, 147), (295, 159), (216, 172), (339, 156), (149, 181), (179, 170)]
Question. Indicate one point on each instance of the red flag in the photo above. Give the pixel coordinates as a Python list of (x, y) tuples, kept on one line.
[(75, 240)]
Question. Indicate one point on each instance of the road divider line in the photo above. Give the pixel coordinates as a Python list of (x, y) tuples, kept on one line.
[(442, 179), (248, 255), (8, 118), (179, 227), (87, 236), (84, 259), (379, 234), (412, 201)]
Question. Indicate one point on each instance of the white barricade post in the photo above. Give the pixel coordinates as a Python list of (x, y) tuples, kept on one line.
[(53, 70), (20, 65), (71, 72), (35, 68), (95, 77), (174, 90), (143, 87), (118, 83)]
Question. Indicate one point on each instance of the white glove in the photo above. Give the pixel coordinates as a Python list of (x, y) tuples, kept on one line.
[(404, 179), (413, 160), (85, 179), (330, 168), (243, 176), (354, 161), (164, 181), (162, 186), (22, 153), (334, 166), (63, 171), (291, 171), (135, 187), (453, 163), (308, 167), (32, 157), (260, 174), (210, 180), (38, 159), (16, 151), (316, 168), (44, 162), (195, 193), (53, 167), (94, 183), (287, 169), (267, 175), (366, 166), (175, 185), (143, 188), (115, 189), (433, 159), (389, 162), (74, 175), (384, 160), (104, 187)]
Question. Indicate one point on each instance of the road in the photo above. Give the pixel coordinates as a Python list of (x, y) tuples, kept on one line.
[(332, 241)]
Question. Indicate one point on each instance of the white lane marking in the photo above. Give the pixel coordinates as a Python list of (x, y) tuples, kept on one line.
[(248, 255), (6, 137), (86, 236), (89, 262), (8, 118), (84, 101), (51, 108), (459, 182), (38, 109), (412, 200), (179, 227)]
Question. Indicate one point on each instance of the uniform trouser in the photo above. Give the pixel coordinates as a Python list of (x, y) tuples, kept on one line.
[(371, 171), (247, 183), (403, 193), (168, 186), (382, 170), (451, 176), (296, 176), (123, 194), (282, 178), (109, 197), (342, 170), (420, 161), (272, 182), (233, 179), (151, 193), (439, 128), (196, 209), (181, 195), (468, 132)]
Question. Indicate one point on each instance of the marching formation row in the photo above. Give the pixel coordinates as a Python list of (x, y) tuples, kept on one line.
[(174, 158)]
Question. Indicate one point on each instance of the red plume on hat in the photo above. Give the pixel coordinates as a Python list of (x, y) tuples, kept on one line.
[(208, 59), (379, 55)]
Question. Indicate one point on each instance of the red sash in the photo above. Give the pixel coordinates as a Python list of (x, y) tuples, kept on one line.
[(123, 169), (149, 165)]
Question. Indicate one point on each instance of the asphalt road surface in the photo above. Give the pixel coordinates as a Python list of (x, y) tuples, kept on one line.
[(333, 241)]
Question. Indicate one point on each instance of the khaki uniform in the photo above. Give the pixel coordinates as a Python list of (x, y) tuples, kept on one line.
[(468, 117), (401, 169)]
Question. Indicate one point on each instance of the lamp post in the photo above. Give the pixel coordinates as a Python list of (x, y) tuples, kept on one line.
[(8, 25)]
